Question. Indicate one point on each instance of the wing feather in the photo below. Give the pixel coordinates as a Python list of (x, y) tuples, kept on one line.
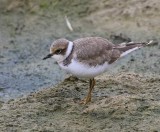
[(94, 51)]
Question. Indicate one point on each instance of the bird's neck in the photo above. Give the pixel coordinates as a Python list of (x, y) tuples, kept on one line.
[(69, 49), (67, 54)]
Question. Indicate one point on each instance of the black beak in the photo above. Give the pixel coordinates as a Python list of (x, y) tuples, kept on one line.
[(48, 56)]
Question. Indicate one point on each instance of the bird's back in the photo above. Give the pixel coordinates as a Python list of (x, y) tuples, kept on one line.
[(93, 50)]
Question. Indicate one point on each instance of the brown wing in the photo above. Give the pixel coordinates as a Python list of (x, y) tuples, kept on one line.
[(95, 51)]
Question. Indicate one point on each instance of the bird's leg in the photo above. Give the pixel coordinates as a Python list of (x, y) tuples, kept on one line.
[(88, 97)]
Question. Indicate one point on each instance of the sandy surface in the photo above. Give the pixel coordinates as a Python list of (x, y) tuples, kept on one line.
[(122, 102), (125, 98)]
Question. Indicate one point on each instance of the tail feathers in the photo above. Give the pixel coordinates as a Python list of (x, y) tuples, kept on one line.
[(126, 48), (129, 51)]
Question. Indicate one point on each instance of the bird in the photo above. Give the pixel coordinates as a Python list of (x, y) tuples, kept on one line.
[(89, 57)]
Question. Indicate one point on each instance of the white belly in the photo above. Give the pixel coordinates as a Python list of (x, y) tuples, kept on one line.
[(81, 70)]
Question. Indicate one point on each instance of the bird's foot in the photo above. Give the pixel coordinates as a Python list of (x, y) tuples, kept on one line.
[(85, 100)]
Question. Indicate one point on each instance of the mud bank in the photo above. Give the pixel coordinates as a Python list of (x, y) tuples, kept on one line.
[(121, 102)]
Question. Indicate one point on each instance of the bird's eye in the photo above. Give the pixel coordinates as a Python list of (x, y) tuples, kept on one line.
[(58, 51)]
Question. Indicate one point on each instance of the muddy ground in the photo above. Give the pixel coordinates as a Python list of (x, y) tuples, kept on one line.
[(126, 97), (123, 102)]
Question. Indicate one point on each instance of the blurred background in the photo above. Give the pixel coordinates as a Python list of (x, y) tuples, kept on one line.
[(27, 28)]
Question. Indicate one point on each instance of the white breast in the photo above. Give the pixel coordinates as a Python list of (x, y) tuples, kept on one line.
[(81, 70)]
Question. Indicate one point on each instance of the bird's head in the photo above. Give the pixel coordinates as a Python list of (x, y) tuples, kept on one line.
[(59, 50)]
